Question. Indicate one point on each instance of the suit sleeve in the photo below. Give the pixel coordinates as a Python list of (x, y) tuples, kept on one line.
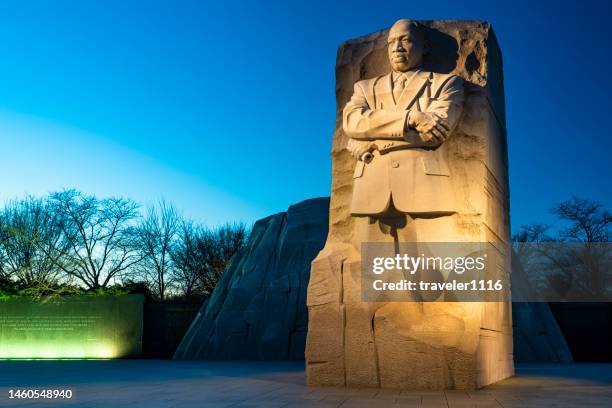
[(360, 121), (449, 103)]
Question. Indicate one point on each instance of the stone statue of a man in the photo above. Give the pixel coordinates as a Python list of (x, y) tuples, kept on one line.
[(395, 123), (420, 182)]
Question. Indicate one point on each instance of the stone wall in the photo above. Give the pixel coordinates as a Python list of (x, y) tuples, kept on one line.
[(164, 326)]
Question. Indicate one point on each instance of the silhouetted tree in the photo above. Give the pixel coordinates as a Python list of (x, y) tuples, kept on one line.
[(585, 266), (588, 220), (532, 233), (577, 261), (216, 248), (185, 261), (100, 236), (6, 272), (70, 240), (202, 254), (30, 239), (157, 236)]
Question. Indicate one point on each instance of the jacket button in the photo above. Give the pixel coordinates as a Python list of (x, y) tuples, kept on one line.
[(395, 165)]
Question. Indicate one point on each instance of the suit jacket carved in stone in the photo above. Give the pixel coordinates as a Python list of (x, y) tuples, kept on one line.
[(405, 170)]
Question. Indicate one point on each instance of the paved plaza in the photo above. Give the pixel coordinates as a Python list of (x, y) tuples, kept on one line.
[(190, 384)]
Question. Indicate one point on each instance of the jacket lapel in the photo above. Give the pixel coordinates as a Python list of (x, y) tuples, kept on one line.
[(413, 90), (383, 93)]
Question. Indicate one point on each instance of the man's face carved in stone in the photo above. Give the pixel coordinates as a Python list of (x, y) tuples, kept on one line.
[(405, 46)]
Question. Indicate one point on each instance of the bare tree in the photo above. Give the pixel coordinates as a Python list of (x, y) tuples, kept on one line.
[(588, 221), (99, 234), (532, 233), (202, 254), (215, 249), (576, 263), (157, 235), (5, 269), (30, 239), (186, 272), (587, 265)]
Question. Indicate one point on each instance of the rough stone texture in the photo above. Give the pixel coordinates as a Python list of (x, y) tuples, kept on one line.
[(537, 337), (258, 309), (414, 345)]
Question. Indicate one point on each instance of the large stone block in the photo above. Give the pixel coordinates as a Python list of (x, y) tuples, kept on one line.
[(414, 345), (537, 336), (258, 309)]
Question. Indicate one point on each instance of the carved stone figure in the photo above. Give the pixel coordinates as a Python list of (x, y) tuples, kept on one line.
[(395, 122), (419, 156)]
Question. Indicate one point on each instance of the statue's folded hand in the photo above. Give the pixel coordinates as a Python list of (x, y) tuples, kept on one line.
[(431, 127), (358, 148)]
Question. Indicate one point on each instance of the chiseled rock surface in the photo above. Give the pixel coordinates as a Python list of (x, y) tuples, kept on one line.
[(537, 336), (289, 242), (407, 345), (258, 309)]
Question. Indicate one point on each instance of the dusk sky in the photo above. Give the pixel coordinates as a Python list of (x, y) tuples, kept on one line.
[(227, 109)]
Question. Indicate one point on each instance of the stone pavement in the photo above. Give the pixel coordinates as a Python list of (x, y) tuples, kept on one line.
[(187, 384)]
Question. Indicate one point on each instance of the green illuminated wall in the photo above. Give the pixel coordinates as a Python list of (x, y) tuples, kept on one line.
[(72, 327)]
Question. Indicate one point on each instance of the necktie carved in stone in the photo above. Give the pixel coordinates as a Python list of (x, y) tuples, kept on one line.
[(398, 87)]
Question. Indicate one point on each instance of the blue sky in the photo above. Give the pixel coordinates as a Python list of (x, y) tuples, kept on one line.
[(227, 108)]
